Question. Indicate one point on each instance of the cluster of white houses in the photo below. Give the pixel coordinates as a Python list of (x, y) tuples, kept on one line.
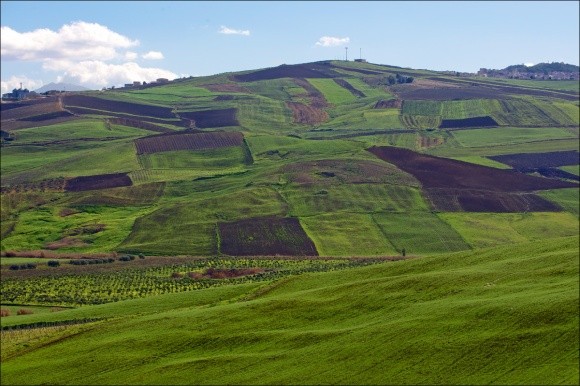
[(141, 84)]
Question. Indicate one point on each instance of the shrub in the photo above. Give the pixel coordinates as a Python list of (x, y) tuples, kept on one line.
[(141, 256), (4, 312), (24, 311), (15, 267), (53, 263), (176, 275)]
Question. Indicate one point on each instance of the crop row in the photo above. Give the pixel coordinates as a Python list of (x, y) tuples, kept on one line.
[(101, 288)]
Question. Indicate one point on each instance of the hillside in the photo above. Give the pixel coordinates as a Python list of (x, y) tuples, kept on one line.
[(329, 222), (286, 142), (506, 315)]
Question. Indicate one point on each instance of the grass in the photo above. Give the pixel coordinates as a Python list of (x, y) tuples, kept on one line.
[(333, 93), (215, 159), (574, 169), (419, 233), (569, 199), (481, 230), (335, 234), (479, 160), (506, 315), (509, 135)]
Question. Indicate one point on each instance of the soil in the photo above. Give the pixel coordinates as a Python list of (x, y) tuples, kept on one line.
[(468, 122), (188, 141), (266, 236), (90, 102), (390, 104), (101, 181), (211, 118), (307, 115), (310, 70), (527, 161)]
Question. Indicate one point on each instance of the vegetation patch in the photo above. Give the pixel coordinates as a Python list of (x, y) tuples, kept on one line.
[(268, 236), (311, 70)]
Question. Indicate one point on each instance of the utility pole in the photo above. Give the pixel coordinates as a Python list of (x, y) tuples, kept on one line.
[(346, 48)]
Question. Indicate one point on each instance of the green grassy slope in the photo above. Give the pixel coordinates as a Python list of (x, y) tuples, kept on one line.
[(506, 315)]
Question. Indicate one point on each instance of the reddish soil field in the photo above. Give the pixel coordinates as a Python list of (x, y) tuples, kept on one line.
[(139, 124), (459, 200), (31, 109), (188, 141), (310, 70), (117, 106), (226, 87), (539, 160), (468, 122), (317, 99), (86, 111), (101, 181), (343, 83), (307, 115), (211, 118), (436, 172), (268, 236)]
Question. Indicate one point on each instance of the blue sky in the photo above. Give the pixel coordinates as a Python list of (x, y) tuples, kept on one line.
[(100, 44)]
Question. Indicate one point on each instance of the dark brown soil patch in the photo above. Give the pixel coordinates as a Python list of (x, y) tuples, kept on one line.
[(436, 172), (459, 200), (47, 116), (307, 115), (188, 141), (390, 104), (19, 124), (76, 100), (468, 122), (101, 181), (226, 87), (539, 160), (139, 125), (343, 83), (211, 118), (308, 70), (267, 236), (23, 110)]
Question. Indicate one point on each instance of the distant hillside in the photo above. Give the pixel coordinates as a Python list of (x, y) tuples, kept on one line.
[(554, 71), (61, 87), (544, 68)]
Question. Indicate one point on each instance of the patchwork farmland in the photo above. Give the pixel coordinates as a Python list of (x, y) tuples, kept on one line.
[(310, 221)]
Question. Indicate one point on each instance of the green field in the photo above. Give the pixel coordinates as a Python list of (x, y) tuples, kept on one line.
[(333, 93), (509, 135), (476, 317)]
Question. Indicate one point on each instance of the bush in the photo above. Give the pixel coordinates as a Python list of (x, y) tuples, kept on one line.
[(53, 263), (24, 311), (4, 312), (176, 275)]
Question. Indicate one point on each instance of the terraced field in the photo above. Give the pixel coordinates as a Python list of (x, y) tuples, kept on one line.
[(447, 206)]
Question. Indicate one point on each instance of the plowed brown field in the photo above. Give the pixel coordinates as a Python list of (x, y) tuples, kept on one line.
[(267, 236), (211, 118), (188, 141), (100, 181)]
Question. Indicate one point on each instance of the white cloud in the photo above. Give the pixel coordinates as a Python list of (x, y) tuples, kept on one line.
[(153, 55), (14, 82), (330, 41), (228, 31), (79, 40), (130, 55), (101, 74)]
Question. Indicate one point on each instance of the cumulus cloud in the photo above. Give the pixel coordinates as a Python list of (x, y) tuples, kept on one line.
[(14, 82), (153, 55), (330, 41), (228, 31), (130, 55), (78, 40), (84, 53), (105, 74)]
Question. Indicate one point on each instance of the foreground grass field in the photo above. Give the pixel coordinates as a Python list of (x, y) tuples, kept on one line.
[(506, 315)]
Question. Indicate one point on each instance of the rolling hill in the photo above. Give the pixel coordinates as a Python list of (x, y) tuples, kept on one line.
[(345, 222)]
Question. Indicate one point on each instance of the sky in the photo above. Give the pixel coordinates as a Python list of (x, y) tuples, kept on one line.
[(103, 44)]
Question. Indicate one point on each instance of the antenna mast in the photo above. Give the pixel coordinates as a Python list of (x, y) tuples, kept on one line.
[(346, 48)]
